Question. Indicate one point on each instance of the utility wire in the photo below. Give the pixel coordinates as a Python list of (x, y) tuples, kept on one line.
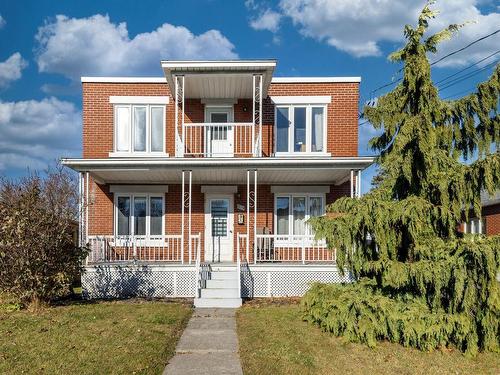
[(439, 60), (467, 76)]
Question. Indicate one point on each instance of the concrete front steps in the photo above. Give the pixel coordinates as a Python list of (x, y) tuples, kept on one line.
[(221, 289)]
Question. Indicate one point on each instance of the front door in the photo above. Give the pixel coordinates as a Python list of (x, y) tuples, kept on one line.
[(220, 136), (219, 228)]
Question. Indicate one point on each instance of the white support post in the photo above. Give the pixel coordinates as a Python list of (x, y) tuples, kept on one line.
[(253, 114), (182, 118), (260, 116), (80, 208), (86, 207), (358, 181), (182, 218), (352, 183), (179, 99), (248, 214), (255, 214), (189, 217)]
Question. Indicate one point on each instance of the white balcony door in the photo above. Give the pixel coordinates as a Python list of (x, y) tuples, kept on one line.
[(219, 228), (220, 137)]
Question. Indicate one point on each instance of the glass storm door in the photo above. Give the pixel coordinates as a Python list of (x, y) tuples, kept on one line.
[(219, 225), (220, 136)]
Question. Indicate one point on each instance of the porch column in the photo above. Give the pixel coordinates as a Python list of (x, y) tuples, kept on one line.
[(86, 207), (352, 183), (257, 115), (252, 203), (80, 209), (186, 203), (179, 100), (358, 183)]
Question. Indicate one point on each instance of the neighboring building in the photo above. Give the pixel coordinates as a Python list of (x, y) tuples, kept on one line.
[(489, 224), (200, 183)]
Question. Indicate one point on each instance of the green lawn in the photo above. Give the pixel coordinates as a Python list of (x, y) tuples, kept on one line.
[(92, 338), (274, 340)]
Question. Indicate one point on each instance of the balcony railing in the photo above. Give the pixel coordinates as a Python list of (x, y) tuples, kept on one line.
[(240, 139), (273, 248), (167, 248)]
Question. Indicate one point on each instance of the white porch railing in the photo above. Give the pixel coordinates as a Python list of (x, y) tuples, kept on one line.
[(291, 248), (221, 139), (167, 248)]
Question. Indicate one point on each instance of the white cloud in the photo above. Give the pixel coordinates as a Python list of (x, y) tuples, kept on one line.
[(35, 133), (2, 21), (358, 27), (96, 46), (11, 69), (267, 20)]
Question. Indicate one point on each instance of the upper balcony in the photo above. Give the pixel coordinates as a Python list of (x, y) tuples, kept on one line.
[(219, 86)]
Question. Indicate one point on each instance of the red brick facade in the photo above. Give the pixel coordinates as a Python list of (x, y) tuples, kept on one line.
[(98, 123), (491, 215)]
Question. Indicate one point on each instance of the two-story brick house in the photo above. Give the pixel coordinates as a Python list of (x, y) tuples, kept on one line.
[(200, 183)]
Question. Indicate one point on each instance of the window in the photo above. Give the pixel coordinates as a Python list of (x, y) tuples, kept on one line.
[(139, 128), (139, 215), (300, 128), (293, 210), (476, 226)]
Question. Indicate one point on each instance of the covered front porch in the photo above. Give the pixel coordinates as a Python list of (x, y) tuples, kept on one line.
[(188, 212)]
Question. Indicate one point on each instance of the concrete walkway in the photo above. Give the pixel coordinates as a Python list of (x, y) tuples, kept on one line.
[(209, 345)]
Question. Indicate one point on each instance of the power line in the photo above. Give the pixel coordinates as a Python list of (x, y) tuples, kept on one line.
[(439, 60), (470, 66), (465, 47), (467, 76)]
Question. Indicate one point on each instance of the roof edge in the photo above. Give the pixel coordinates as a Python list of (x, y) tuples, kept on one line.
[(89, 79)]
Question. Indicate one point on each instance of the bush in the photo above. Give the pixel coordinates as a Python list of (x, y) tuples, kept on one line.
[(38, 254)]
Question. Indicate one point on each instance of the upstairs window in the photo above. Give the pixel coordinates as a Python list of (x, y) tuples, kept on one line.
[(139, 128), (300, 128)]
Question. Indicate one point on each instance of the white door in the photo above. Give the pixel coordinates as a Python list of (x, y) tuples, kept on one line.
[(219, 228), (220, 137)]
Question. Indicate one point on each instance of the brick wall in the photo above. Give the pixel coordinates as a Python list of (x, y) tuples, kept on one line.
[(342, 116), (492, 218)]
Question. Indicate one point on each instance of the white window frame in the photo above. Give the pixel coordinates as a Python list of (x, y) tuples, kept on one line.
[(131, 151), (148, 197), (291, 128), (290, 196)]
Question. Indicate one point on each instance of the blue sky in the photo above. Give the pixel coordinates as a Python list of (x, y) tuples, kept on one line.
[(45, 46)]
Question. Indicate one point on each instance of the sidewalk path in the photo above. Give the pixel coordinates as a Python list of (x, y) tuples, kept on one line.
[(209, 345)]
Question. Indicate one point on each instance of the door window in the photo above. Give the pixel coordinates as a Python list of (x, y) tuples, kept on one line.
[(219, 210)]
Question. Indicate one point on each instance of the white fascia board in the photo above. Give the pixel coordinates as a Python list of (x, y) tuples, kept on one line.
[(279, 189), (139, 99), (218, 64), (138, 188), (326, 99), (124, 79), (316, 80), (359, 162)]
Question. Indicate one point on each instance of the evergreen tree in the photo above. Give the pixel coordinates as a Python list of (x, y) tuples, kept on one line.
[(420, 281)]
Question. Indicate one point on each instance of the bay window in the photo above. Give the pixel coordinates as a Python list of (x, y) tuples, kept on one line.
[(139, 215), (293, 210), (300, 128), (139, 128)]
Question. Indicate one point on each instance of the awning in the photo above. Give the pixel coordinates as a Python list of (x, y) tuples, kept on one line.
[(327, 170), (226, 79)]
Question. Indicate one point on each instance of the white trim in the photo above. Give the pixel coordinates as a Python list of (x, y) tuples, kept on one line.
[(123, 80), (125, 154), (324, 99), (229, 239), (187, 64), (138, 188), (219, 189), (301, 154), (316, 80), (90, 79), (264, 163), (282, 189), (139, 99)]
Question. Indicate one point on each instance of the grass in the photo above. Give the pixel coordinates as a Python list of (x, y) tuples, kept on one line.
[(274, 340), (122, 337)]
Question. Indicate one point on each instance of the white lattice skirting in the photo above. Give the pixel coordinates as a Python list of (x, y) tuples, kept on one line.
[(122, 281)]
